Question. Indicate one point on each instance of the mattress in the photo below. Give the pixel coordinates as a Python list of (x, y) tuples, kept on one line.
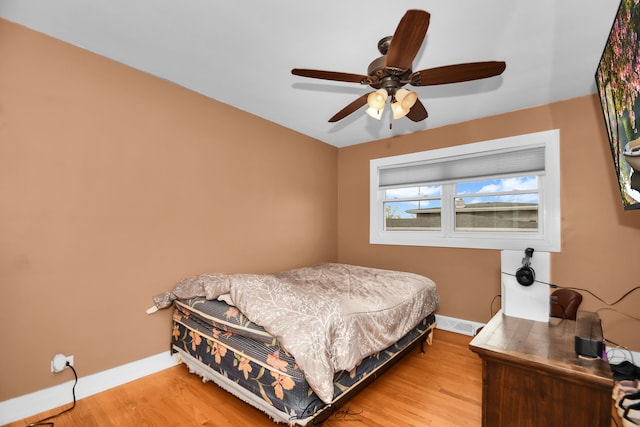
[(328, 316), (219, 343)]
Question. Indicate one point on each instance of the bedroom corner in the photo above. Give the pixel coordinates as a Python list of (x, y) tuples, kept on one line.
[(116, 185)]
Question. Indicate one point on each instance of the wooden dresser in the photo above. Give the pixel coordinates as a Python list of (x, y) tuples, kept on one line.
[(532, 376)]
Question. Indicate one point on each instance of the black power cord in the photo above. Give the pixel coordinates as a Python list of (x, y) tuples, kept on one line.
[(491, 305), (597, 297), (554, 286), (45, 421)]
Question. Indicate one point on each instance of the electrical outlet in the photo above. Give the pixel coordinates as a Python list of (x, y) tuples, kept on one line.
[(60, 361)]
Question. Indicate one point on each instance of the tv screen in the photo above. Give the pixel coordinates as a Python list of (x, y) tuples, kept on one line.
[(618, 82)]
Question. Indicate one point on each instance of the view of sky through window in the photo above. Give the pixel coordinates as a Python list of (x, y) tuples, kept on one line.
[(521, 189)]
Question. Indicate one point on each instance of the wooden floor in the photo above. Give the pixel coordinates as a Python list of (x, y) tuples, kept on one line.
[(441, 388)]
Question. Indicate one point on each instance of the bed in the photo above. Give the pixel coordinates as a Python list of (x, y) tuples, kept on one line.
[(298, 344)]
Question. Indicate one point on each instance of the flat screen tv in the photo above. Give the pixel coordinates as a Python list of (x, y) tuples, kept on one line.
[(618, 82)]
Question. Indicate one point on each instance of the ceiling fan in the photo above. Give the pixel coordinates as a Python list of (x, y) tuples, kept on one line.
[(390, 72)]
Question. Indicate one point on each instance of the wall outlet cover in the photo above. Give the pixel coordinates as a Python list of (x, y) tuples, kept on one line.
[(59, 363)]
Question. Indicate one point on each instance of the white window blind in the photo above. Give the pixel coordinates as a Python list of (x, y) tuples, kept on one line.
[(530, 161)]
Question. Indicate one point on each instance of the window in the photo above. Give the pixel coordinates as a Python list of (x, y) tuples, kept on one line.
[(499, 194)]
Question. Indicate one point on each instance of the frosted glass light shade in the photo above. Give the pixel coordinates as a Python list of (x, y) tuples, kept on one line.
[(376, 114), (398, 111), (407, 99), (377, 99), (404, 101)]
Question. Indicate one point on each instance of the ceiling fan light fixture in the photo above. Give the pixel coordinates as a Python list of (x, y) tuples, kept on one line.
[(376, 114), (377, 99), (406, 98), (402, 102), (398, 111)]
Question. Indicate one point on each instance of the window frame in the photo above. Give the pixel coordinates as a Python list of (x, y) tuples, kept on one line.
[(547, 238)]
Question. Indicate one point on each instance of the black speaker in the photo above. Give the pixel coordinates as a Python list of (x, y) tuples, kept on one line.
[(525, 275)]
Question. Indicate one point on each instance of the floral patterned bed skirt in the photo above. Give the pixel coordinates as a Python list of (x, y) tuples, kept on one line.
[(219, 337)]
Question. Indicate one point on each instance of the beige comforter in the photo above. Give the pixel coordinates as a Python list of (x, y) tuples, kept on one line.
[(329, 316)]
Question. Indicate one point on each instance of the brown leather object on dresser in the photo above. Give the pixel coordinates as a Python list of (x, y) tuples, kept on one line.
[(566, 303)]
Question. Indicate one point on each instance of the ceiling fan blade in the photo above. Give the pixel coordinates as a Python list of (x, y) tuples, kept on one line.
[(329, 75), (407, 40), (355, 105), (457, 73), (417, 112)]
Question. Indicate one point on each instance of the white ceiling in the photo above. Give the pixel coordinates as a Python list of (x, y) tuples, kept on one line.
[(241, 52)]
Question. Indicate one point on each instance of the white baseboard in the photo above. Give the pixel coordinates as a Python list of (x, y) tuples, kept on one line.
[(460, 326), (43, 400)]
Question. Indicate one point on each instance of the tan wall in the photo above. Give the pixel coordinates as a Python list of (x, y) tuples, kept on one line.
[(600, 241), (114, 185)]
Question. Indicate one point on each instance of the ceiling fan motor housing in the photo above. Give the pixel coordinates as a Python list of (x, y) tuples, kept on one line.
[(382, 77)]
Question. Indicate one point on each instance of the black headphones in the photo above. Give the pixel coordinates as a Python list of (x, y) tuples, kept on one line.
[(525, 275)]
